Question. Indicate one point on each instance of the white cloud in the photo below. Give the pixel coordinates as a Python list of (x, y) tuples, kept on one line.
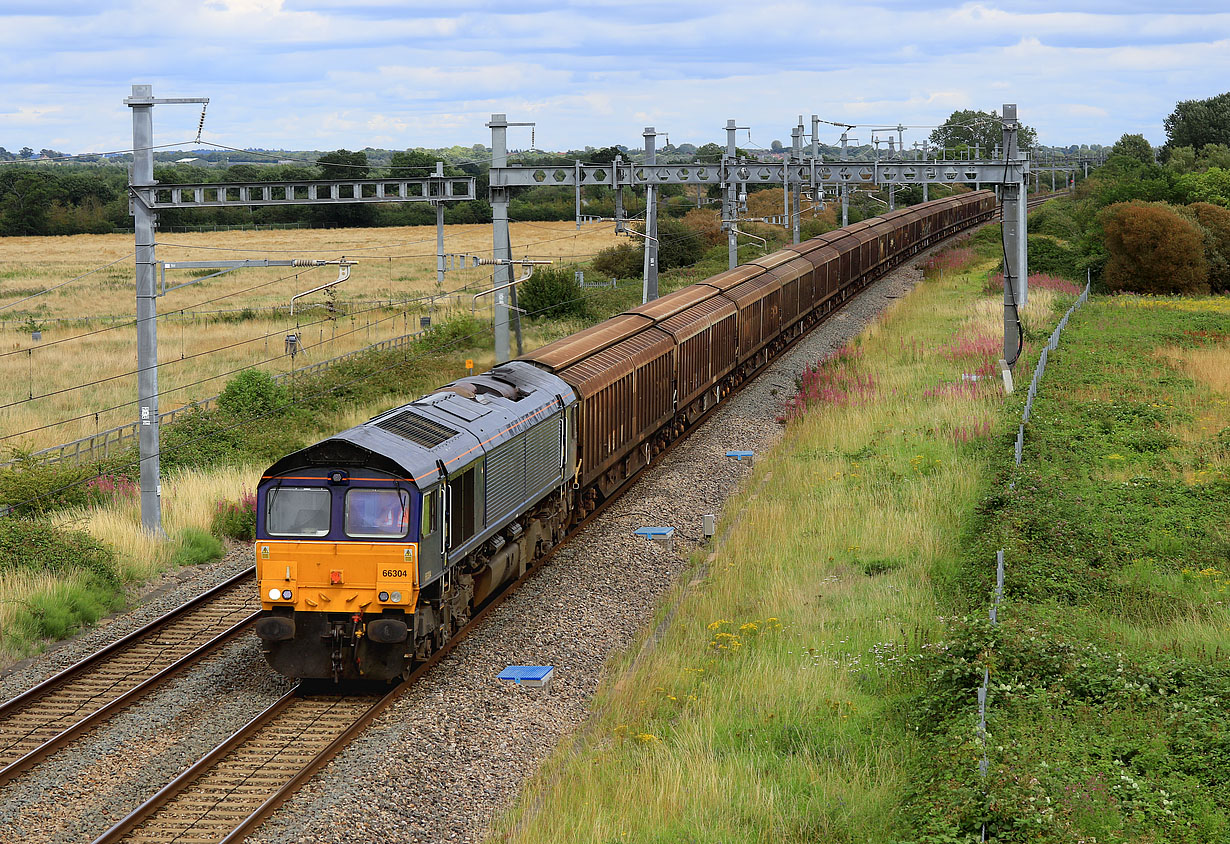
[(328, 73)]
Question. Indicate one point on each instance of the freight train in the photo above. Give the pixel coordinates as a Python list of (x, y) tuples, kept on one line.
[(377, 544)]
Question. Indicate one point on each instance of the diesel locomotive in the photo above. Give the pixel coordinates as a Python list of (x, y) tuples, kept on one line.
[(377, 544)]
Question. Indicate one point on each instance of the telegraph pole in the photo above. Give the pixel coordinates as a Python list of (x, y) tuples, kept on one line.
[(730, 203), (142, 103), (650, 289)]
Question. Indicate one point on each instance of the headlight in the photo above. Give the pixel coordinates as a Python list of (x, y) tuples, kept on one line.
[(396, 597), (383, 596), (274, 594), (286, 594)]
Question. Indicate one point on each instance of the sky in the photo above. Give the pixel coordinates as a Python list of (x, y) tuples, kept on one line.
[(328, 74)]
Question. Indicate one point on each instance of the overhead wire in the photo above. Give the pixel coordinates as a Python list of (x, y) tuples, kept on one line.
[(93, 154), (214, 377), (20, 505)]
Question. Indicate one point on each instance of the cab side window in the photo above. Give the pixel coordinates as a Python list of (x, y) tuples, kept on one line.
[(428, 526)]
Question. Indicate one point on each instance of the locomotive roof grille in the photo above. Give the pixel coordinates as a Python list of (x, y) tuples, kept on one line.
[(417, 429)]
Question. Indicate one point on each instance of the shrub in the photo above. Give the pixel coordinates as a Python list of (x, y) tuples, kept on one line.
[(196, 547), (236, 519), (253, 394), (1049, 256), (552, 292), (1052, 220), (30, 488), (622, 261), (1214, 222), (679, 245), (1152, 250), (706, 222), (43, 547)]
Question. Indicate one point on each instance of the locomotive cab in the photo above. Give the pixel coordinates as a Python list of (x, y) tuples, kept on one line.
[(340, 555)]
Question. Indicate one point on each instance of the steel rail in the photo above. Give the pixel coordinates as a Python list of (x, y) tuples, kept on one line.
[(26, 719)]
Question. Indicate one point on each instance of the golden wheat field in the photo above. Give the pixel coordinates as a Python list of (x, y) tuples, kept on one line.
[(204, 335)]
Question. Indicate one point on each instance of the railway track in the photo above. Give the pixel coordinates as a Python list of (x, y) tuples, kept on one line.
[(227, 794), (1031, 203), (63, 707)]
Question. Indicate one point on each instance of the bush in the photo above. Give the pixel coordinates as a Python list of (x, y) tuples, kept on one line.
[(196, 547), (1214, 222), (1049, 256), (236, 519), (1052, 220), (43, 547), (552, 292), (623, 261), (253, 394), (31, 488), (1153, 249), (708, 223), (679, 245)]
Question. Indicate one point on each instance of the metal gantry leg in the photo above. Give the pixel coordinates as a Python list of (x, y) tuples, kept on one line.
[(649, 290), (142, 104), (500, 238)]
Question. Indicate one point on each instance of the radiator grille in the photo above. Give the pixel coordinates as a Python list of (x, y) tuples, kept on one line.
[(417, 429)]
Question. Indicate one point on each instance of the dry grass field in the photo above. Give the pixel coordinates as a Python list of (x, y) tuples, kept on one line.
[(88, 335)]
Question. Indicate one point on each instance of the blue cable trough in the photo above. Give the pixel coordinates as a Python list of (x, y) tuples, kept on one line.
[(664, 536), (530, 676)]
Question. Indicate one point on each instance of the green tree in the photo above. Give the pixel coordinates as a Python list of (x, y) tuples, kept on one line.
[(25, 199), (1134, 146), (417, 162), (343, 164), (605, 155), (1194, 123), (984, 129), (1213, 185)]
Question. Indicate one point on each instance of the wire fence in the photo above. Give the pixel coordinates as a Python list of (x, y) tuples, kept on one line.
[(114, 440), (997, 598)]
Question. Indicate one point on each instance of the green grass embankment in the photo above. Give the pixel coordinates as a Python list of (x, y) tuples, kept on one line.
[(777, 706), (1109, 712)]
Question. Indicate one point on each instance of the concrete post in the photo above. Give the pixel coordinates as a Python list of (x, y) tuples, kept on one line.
[(925, 154), (500, 237), (147, 310), (731, 204), (649, 290)]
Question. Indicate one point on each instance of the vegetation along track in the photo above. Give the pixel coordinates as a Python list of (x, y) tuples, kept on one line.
[(229, 792), (54, 712)]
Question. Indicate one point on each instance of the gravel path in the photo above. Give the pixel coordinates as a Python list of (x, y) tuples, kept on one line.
[(454, 751)]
